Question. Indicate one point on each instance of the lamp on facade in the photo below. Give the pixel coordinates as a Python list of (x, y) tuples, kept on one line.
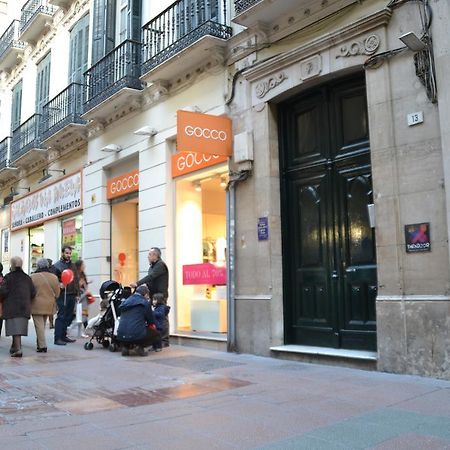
[(111, 148), (411, 40), (46, 175), (14, 190), (223, 181), (197, 186), (146, 131)]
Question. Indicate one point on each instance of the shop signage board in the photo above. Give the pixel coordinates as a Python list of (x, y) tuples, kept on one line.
[(206, 273), (57, 199), (69, 232), (263, 229), (204, 133), (417, 237), (123, 184), (186, 162)]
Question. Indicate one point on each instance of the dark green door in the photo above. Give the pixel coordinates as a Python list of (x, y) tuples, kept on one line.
[(328, 243)]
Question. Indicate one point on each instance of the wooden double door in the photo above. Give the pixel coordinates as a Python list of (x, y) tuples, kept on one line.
[(329, 259)]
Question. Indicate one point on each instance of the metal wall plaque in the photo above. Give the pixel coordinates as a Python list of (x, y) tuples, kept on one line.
[(263, 229)]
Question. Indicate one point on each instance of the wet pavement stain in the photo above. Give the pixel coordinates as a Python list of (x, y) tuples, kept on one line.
[(197, 363)]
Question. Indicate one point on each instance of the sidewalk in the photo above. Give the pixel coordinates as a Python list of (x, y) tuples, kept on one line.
[(188, 398)]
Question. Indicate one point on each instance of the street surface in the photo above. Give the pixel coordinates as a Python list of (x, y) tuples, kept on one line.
[(188, 398)]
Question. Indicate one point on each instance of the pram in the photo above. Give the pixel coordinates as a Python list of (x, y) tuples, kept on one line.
[(104, 331)]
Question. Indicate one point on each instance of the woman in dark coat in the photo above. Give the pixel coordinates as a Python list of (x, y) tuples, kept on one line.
[(17, 292)]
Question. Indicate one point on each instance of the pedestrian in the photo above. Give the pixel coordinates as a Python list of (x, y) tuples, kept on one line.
[(1, 304), (135, 317), (67, 297), (47, 291), (85, 296), (161, 312), (17, 292), (157, 280)]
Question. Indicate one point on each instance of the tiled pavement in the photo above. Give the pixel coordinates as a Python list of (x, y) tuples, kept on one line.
[(186, 398)]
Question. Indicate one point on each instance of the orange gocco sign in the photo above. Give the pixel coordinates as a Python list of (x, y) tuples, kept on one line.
[(186, 162), (203, 133), (123, 184)]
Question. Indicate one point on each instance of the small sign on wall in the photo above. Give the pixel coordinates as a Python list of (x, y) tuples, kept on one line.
[(417, 237), (263, 229)]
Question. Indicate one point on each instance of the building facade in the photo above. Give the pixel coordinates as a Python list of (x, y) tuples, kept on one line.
[(323, 232)]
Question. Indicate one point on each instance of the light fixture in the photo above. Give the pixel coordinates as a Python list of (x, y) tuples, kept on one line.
[(197, 186), (14, 192), (146, 131), (411, 40), (46, 175), (111, 148), (223, 181)]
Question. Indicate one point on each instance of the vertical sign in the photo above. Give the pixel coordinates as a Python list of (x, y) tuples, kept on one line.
[(263, 229)]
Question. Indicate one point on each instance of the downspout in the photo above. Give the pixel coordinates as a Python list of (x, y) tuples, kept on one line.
[(235, 177)]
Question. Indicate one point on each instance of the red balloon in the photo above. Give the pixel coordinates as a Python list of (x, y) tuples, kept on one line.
[(67, 277)]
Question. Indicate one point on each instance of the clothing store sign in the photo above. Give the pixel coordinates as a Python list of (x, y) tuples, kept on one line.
[(417, 238), (186, 162), (123, 184), (206, 273), (204, 133), (57, 199)]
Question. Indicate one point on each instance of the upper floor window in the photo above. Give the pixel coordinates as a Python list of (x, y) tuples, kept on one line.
[(16, 106), (43, 82), (79, 47)]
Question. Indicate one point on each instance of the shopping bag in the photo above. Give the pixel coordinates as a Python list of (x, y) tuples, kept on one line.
[(79, 313)]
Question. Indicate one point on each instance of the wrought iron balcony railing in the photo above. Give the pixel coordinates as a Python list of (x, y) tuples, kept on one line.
[(4, 152), (242, 5), (26, 137), (10, 38), (62, 110), (120, 68), (180, 25), (31, 9)]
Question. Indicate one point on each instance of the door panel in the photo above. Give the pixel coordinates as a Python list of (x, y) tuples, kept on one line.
[(328, 244)]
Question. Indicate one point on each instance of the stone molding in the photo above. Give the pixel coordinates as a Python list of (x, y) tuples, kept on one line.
[(413, 298), (263, 87), (358, 28), (368, 46)]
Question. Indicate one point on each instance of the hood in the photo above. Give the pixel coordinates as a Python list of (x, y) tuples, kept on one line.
[(132, 301)]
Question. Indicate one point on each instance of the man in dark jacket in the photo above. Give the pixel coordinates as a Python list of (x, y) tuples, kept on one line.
[(157, 279), (67, 297), (135, 317)]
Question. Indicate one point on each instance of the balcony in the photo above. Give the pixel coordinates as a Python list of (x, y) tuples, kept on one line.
[(11, 48), (26, 143), (5, 169), (183, 36), (64, 4), (249, 13), (61, 116), (112, 81), (36, 15)]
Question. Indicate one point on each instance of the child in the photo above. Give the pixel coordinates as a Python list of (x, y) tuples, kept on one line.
[(161, 311)]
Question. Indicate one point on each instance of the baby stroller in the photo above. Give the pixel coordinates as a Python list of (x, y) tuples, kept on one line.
[(106, 327)]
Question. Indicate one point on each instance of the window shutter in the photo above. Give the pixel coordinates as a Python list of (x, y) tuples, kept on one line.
[(43, 82), (134, 13), (103, 28), (16, 109), (79, 45)]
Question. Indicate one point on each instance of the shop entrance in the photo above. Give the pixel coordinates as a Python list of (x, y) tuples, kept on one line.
[(328, 242), (124, 239), (201, 305), (36, 239)]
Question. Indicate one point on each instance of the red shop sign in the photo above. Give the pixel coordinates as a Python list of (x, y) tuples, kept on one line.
[(206, 273)]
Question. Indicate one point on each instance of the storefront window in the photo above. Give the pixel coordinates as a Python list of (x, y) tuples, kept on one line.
[(201, 294), (72, 235), (36, 245)]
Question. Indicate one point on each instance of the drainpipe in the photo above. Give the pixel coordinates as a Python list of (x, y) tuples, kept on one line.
[(235, 177)]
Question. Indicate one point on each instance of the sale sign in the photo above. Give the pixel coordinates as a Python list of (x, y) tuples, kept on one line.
[(206, 273)]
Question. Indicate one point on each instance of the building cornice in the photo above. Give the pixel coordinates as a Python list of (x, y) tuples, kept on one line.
[(363, 25)]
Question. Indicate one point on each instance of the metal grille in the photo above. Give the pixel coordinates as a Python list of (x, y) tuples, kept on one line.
[(62, 110), (180, 25), (31, 9), (242, 5), (4, 152), (26, 137), (10, 38), (119, 69)]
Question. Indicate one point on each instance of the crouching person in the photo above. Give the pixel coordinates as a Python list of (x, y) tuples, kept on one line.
[(135, 317)]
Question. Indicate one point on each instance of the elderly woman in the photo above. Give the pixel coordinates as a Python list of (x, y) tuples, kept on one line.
[(47, 291), (17, 292)]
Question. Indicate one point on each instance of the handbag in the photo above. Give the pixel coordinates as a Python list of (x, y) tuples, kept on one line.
[(79, 313), (154, 333)]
